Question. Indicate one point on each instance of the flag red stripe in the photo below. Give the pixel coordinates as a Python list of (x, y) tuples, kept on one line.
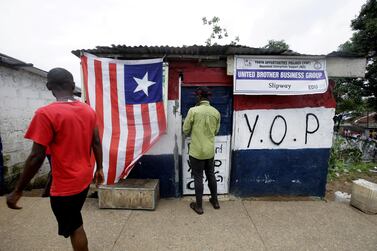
[(99, 95), (146, 126), (84, 66), (161, 117), (114, 143), (131, 135)]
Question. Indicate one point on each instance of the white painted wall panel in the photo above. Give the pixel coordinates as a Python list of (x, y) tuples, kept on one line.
[(222, 167), (21, 94), (346, 67), (173, 136), (288, 128)]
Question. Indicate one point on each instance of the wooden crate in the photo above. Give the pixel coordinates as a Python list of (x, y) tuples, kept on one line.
[(130, 194), (364, 196)]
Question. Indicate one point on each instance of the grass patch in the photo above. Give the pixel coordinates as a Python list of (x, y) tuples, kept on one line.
[(346, 161)]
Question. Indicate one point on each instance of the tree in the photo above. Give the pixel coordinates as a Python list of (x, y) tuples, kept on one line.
[(364, 43), (217, 32), (277, 44), (348, 96)]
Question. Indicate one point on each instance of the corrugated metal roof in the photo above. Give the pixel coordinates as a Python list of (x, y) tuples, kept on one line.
[(343, 54), (194, 51), (370, 118), (14, 63)]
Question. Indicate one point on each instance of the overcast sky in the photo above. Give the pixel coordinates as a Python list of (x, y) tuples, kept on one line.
[(43, 32)]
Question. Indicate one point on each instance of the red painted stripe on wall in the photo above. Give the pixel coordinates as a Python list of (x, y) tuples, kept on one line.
[(214, 75), (195, 74), (173, 84), (248, 102)]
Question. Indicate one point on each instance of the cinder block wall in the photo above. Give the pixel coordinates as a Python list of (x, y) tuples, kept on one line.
[(21, 93)]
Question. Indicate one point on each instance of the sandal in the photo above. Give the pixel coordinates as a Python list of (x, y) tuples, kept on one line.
[(196, 209)]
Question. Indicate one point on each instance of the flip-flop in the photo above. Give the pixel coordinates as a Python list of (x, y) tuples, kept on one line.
[(197, 210), (214, 203)]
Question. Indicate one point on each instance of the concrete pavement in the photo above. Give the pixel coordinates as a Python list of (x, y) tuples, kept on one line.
[(238, 225)]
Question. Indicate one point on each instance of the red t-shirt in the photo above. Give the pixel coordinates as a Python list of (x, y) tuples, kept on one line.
[(66, 128)]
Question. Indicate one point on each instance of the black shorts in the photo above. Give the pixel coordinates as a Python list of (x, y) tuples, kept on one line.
[(67, 210)]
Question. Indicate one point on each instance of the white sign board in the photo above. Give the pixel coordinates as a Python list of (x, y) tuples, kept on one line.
[(222, 155), (279, 75)]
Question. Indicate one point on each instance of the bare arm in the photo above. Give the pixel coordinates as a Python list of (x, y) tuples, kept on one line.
[(97, 150), (32, 164)]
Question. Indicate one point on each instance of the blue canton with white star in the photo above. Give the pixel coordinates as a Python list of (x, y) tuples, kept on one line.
[(143, 83)]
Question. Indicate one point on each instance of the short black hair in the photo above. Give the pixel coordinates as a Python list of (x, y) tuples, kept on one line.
[(60, 78), (203, 92)]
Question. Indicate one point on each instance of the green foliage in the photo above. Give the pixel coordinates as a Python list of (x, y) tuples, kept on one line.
[(349, 95), (346, 47), (364, 42), (277, 44), (365, 25), (346, 160), (217, 32), (342, 154), (351, 169)]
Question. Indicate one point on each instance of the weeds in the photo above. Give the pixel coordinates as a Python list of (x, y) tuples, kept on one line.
[(345, 159)]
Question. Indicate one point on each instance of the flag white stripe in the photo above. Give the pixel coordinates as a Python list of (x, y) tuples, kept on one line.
[(122, 122), (107, 122), (153, 121), (91, 88), (91, 83), (139, 135)]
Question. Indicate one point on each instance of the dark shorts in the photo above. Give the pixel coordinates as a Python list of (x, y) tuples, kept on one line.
[(67, 210)]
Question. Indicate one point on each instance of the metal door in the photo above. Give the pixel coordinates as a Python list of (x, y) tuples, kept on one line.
[(221, 99)]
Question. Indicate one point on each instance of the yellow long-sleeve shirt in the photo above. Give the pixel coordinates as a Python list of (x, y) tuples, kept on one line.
[(202, 123)]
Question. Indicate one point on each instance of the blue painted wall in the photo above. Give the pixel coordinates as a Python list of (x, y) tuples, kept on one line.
[(221, 99), (300, 172), (158, 167)]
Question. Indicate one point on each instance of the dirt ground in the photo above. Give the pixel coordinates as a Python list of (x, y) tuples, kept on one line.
[(343, 183)]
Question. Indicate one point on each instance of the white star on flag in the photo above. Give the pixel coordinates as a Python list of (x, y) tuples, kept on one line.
[(143, 84)]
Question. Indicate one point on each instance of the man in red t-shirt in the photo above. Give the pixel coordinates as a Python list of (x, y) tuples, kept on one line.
[(68, 129)]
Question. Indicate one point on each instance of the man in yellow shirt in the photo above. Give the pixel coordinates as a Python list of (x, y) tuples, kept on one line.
[(202, 124)]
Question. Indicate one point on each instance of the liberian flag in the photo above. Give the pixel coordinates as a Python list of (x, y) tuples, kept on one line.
[(127, 98)]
